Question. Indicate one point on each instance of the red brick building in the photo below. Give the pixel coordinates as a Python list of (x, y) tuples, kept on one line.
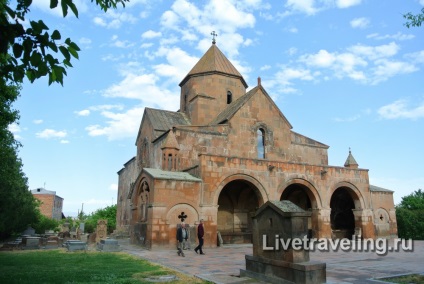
[(51, 204), (224, 154)]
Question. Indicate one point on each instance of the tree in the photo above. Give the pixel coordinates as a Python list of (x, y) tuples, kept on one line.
[(414, 20), (33, 52), (108, 213), (18, 208), (410, 216)]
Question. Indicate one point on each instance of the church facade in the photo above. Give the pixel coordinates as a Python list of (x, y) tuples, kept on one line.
[(225, 153)]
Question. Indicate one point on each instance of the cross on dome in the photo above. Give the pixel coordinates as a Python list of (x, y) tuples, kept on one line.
[(214, 34)]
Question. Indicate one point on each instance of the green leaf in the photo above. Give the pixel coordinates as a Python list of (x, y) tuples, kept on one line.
[(73, 52), (74, 46), (55, 35), (64, 5), (11, 13), (52, 46), (35, 59), (17, 50), (42, 25), (53, 4), (73, 8), (67, 63), (65, 53)]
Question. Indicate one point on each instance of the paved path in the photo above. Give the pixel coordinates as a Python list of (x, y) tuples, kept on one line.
[(223, 264)]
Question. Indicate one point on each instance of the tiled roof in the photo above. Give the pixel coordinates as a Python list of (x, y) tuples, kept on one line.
[(171, 141), (214, 61), (234, 107), (163, 120), (160, 174), (379, 189), (350, 160)]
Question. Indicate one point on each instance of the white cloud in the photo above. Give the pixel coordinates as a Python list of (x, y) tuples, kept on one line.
[(84, 112), (64, 141), (388, 68), (400, 109), (99, 21), (347, 3), (113, 187), (398, 36), (37, 121), (121, 43), (366, 64), (360, 23), (151, 34), (118, 125), (178, 63), (114, 20), (15, 129), (223, 16), (106, 107), (303, 6), (375, 52), (86, 42), (51, 133)]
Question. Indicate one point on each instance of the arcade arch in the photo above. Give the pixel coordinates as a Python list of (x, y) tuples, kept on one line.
[(237, 200)]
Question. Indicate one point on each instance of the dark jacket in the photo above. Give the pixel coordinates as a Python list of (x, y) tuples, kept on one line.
[(180, 234), (200, 231)]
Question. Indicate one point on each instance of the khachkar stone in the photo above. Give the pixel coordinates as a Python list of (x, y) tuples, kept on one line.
[(101, 231), (275, 223)]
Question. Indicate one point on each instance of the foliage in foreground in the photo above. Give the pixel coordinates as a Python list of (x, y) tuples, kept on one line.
[(34, 52), (410, 216), (18, 208), (414, 20), (58, 266)]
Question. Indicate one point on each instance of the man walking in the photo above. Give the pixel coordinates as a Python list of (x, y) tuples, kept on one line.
[(180, 239), (200, 235), (186, 237)]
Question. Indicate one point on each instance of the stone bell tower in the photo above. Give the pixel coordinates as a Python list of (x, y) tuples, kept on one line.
[(210, 86)]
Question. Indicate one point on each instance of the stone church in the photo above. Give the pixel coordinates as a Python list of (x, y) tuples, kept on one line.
[(226, 152)]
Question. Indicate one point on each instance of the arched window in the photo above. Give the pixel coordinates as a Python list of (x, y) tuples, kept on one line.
[(229, 97), (261, 143), (169, 162)]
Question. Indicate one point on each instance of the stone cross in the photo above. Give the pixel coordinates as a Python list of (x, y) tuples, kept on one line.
[(213, 36), (182, 216)]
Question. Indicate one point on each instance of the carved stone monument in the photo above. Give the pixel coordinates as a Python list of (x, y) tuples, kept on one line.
[(280, 231), (101, 231)]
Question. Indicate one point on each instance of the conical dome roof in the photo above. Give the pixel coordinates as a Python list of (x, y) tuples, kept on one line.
[(350, 161), (171, 141), (214, 61)]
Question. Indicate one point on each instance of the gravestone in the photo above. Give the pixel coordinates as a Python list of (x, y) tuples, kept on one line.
[(275, 223), (108, 245), (29, 242), (75, 245), (29, 231), (101, 231), (52, 242)]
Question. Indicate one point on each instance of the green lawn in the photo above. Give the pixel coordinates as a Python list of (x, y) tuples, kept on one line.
[(405, 279), (59, 266)]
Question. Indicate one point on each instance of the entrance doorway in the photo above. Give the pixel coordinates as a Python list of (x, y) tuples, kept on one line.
[(342, 218), (298, 194), (237, 201)]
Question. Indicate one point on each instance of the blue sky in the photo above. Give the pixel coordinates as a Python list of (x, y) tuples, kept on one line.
[(347, 73)]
